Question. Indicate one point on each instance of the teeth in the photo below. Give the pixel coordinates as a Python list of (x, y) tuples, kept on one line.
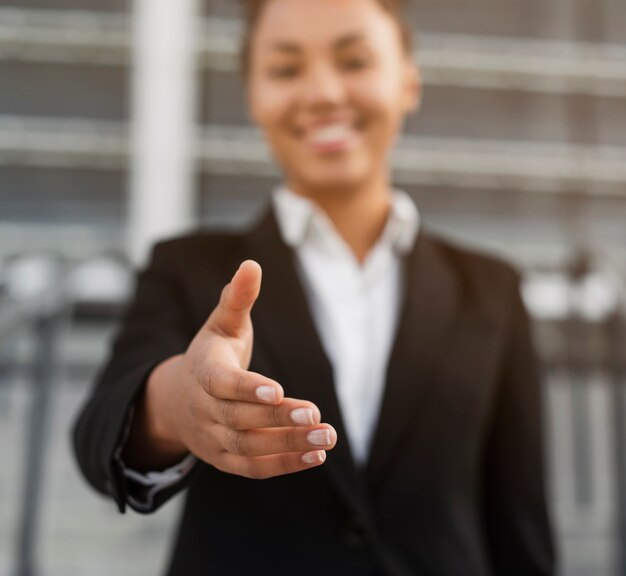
[(330, 134)]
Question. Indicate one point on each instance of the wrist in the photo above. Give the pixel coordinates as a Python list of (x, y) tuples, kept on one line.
[(152, 443), (157, 407)]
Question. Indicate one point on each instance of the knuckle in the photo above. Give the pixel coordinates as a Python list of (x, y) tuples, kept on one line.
[(275, 415), (285, 464), (243, 443), (226, 439), (237, 442), (227, 413), (291, 440), (206, 376), (240, 386)]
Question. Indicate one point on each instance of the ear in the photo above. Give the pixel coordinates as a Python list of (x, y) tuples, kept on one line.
[(412, 87)]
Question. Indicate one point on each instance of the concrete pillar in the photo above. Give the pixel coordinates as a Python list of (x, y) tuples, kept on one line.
[(163, 87)]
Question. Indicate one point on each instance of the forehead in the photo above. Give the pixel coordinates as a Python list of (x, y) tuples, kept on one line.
[(310, 23)]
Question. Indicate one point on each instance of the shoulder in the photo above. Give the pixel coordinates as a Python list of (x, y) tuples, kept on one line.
[(482, 280), (202, 247), (199, 240), (196, 266), (474, 265)]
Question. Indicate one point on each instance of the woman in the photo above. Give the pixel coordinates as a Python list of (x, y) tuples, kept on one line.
[(408, 360)]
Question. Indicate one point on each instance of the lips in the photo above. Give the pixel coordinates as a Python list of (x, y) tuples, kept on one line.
[(330, 134), (333, 137)]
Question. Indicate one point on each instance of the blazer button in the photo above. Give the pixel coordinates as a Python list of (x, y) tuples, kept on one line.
[(355, 533)]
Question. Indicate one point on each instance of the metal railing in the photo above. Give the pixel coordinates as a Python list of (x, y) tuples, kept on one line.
[(583, 339), (44, 313)]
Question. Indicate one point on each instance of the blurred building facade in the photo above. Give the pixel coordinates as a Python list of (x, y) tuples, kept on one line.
[(519, 148), (519, 144)]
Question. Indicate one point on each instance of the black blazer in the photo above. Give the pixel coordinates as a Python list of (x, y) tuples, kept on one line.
[(454, 485)]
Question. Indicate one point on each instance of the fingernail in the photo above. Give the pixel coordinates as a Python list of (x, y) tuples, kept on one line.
[(266, 393), (302, 416), (319, 437), (316, 457)]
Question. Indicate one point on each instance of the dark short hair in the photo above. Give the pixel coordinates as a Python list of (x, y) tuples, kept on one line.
[(253, 9)]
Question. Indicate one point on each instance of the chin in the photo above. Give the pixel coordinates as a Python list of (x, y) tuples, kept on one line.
[(333, 185), (332, 180)]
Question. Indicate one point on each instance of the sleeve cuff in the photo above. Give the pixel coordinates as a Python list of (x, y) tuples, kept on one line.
[(144, 487), (140, 489)]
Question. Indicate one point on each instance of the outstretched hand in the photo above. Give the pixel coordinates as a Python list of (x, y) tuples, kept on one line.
[(208, 403)]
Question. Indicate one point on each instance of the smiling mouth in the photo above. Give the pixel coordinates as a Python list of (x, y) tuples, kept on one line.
[(335, 137)]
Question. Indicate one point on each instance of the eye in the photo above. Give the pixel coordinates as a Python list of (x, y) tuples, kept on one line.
[(355, 63), (286, 71)]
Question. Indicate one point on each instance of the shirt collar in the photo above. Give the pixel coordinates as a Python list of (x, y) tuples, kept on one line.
[(297, 217)]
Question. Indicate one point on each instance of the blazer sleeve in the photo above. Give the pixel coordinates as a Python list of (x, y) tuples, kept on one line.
[(515, 509), (156, 326)]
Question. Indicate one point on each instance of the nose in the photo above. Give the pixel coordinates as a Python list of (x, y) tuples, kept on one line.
[(323, 87)]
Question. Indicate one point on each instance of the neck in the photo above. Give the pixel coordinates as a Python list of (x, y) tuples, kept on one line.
[(359, 215)]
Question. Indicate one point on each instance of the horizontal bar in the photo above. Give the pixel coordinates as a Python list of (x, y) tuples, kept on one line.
[(482, 62), (464, 163)]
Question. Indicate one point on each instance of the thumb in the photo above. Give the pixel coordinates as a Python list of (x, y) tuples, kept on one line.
[(232, 314)]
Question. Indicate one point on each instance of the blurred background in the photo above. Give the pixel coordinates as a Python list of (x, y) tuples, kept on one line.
[(124, 121)]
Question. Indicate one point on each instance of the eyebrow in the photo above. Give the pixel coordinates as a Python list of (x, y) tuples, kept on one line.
[(342, 42), (348, 40)]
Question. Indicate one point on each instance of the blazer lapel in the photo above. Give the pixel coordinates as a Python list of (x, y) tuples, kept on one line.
[(426, 316), (283, 322)]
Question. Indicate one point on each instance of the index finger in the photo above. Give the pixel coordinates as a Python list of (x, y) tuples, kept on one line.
[(228, 382)]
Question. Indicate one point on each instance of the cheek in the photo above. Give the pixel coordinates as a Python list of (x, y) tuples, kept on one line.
[(381, 101), (270, 109)]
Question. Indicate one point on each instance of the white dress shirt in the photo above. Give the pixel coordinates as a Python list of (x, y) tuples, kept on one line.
[(354, 307)]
